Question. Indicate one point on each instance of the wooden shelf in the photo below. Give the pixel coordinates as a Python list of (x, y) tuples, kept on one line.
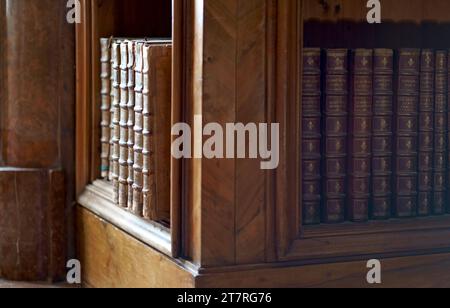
[(405, 23), (409, 11)]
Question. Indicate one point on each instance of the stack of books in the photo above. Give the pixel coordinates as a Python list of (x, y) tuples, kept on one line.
[(375, 139), (136, 112)]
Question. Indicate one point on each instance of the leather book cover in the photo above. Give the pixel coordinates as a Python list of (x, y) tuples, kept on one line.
[(123, 141), (157, 72), (311, 136), (426, 132), (382, 134), (335, 139), (105, 98), (130, 123), (406, 132), (440, 134), (111, 111), (115, 53), (137, 207), (360, 135)]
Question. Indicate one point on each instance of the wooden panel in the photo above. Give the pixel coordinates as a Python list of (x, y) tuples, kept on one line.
[(32, 225), (37, 135), (113, 259), (251, 108), (232, 53), (32, 124), (218, 195), (412, 272), (288, 113)]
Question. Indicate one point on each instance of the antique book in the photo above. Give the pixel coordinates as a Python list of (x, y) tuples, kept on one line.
[(440, 134), (360, 135), (311, 133), (382, 134), (157, 75), (123, 142), (335, 138), (406, 132), (115, 53), (130, 124), (426, 132), (105, 97), (112, 109), (138, 127)]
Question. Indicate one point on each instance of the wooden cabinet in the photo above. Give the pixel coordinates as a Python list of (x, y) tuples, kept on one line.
[(234, 224)]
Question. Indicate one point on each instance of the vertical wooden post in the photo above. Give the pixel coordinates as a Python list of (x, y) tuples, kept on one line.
[(37, 138)]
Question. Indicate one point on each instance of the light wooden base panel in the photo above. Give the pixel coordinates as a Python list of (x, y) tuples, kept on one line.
[(112, 258)]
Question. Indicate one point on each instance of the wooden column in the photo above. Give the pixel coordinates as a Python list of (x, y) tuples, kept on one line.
[(37, 138)]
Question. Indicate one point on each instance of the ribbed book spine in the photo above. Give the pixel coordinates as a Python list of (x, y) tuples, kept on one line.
[(440, 137), (426, 132), (382, 133), (406, 132), (335, 139), (111, 127), (148, 179), (105, 75), (360, 134), (123, 157), (311, 134), (116, 120), (131, 119), (138, 137)]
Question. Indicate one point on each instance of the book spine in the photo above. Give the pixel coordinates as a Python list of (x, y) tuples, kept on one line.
[(123, 157), (311, 134), (105, 93), (382, 134), (148, 179), (440, 134), (131, 119), (161, 94), (116, 120), (426, 132), (138, 137), (406, 132), (360, 135), (335, 139), (111, 144)]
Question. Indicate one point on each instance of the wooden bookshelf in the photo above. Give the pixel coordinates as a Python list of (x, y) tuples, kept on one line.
[(233, 224)]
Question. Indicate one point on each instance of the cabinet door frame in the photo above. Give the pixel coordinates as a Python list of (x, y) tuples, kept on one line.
[(295, 242), (88, 186)]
